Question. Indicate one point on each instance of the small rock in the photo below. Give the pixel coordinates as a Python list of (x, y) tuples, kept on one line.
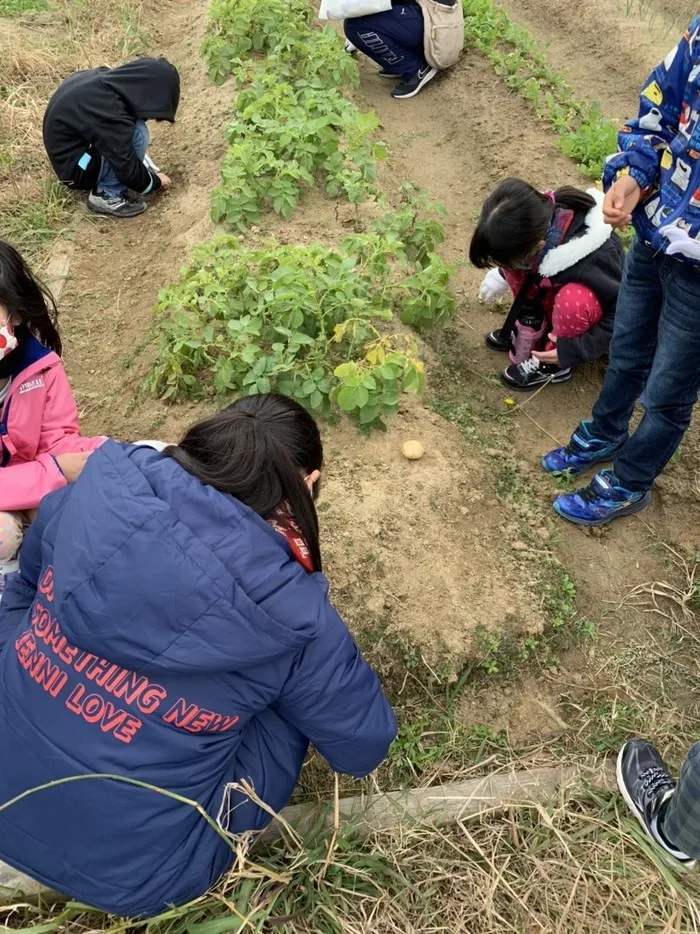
[(519, 546)]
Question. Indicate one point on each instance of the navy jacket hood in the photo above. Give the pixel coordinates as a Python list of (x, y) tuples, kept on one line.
[(154, 508)]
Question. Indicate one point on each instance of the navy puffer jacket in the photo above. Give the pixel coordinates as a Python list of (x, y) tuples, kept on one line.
[(161, 631)]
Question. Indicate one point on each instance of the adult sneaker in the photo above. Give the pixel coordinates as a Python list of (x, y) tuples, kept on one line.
[(582, 451), (646, 786), (409, 87), (603, 500), (530, 374), (115, 207)]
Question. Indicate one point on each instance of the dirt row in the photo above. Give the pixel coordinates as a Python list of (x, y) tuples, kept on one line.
[(423, 549)]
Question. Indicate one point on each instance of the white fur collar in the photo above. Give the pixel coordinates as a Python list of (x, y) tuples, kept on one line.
[(568, 254)]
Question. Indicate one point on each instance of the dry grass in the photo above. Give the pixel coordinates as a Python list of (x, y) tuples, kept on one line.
[(36, 52), (578, 866)]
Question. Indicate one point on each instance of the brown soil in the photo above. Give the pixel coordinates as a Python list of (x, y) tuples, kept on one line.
[(423, 548)]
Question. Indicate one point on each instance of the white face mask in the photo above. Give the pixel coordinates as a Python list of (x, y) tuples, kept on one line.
[(8, 341)]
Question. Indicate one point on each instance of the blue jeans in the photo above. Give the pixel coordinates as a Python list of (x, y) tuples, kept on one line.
[(654, 357), (107, 182), (394, 40)]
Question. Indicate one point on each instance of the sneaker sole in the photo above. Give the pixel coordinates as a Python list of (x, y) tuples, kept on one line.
[(118, 217), (627, 511), (554, 381), (381, 74), (668, 858), (404, 97)]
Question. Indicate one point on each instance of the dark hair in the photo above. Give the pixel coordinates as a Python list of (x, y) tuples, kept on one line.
[(515, 218), (258, 450), (28, 299)]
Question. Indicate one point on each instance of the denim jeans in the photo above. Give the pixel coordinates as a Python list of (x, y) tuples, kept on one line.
[(654, 357), (393, 39), (107, 182)]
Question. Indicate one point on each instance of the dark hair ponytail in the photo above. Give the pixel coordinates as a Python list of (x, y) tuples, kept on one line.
[(27, 299), (515, 219), (259, 450)]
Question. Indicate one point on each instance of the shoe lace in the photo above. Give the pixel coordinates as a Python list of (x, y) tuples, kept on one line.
[(530, 366), (654, 779)]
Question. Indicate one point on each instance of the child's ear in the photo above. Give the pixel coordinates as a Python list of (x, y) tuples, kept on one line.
[(311, 479)]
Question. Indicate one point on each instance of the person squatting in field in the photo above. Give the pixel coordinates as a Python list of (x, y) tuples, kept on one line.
[(403, 43), (562, 263), (96, 137), (41, 449), (654, 182), (171, 624)]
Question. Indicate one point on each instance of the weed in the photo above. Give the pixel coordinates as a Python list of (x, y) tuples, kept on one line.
[(19, 7)]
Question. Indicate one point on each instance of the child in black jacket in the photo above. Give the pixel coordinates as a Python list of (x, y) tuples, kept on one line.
[(96, 136)]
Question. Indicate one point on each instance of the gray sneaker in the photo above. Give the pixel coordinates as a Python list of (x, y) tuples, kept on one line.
[(100, 203)]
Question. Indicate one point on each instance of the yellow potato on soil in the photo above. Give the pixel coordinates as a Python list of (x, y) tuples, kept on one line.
[(412, 450)]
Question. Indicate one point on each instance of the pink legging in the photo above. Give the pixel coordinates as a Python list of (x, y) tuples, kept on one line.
[(573, 310)]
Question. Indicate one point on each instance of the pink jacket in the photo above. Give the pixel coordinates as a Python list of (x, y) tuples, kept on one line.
[(39, 420)]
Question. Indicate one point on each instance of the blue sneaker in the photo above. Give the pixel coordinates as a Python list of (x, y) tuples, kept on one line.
[(601, 501), (580, 453)]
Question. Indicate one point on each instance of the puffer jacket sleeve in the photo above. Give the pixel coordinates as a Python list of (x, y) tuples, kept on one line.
[(643, 141), (335, 699)]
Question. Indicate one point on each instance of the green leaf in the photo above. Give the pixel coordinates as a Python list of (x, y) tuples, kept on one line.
[(346, 398)]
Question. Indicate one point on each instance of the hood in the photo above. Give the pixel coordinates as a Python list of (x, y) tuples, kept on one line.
[(150, 87), (156, 571), (595, 234)]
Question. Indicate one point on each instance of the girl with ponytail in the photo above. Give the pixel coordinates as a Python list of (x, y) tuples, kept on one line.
[(170, 625), (553, 251)]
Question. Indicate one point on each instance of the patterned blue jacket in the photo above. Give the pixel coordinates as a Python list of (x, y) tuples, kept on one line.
[(661, 150)]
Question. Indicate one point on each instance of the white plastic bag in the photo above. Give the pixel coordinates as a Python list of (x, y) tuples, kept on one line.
[(347, 9)]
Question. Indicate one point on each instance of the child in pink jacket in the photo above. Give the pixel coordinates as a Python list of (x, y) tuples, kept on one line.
[(40, 445)]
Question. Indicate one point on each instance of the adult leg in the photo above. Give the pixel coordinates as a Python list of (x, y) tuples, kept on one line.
[(107, 182), (672, 387), (679, 821), (633, 344), (394, 39)]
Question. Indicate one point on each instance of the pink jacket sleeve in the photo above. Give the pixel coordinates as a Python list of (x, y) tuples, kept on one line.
[(24, 485)]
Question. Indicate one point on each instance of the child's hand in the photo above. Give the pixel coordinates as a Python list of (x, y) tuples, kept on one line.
[(72, 465), (164, 180), (548, 356), (622, 198), (493, 288)]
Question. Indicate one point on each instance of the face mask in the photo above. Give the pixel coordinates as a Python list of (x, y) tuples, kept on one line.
[(8, 341)]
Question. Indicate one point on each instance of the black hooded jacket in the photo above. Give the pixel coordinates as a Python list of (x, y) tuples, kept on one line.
[(93, 113)]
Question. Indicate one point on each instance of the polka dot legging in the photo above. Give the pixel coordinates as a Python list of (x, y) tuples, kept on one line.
[(572, 310), (11, 533)]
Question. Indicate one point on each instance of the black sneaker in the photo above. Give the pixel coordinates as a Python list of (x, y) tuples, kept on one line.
[(387, 74), (531, 373), (495, 341), (100, 203), (645, 784), (409, 87)]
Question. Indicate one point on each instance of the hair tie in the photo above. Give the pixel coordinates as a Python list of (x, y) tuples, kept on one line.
[(551, 196)]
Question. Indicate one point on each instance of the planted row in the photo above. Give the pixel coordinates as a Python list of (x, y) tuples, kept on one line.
[(304, 320), (291, 124), (586, 135)]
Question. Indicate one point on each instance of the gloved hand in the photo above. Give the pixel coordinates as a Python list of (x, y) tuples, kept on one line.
[(493, 288), (679, 241)]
